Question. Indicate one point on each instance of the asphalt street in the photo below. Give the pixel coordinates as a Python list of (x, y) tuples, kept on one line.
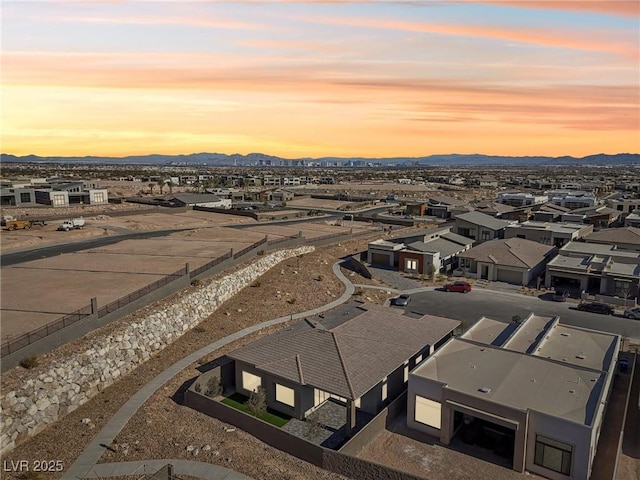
[(503, 306)]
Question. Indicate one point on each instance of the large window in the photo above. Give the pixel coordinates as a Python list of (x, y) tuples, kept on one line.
[(285, 395), (553, 455), (485, 235), (58, 200), (411, 265), (622, 288), (25, 197), (98, 197), (250, 381), (428, 412)]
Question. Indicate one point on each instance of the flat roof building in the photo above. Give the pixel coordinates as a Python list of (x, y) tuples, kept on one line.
[(539, 387)]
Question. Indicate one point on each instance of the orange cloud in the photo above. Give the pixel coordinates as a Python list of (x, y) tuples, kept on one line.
[(546, 38)]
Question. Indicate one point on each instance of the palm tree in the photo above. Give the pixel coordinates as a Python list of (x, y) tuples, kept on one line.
[(151, 185)]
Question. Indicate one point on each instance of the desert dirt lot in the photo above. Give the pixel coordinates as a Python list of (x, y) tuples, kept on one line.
[(67, 282)]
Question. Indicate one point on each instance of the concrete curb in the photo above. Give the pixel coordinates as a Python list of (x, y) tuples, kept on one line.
[(92, 453)]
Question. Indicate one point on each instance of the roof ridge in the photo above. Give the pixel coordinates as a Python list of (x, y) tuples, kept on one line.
[(516, 255), (299, 365), (344, 366)]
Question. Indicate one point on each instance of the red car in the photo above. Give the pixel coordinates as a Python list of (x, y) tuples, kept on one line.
[(463, 287)]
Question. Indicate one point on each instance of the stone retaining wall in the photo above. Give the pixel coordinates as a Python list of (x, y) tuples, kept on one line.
[(73, 381)]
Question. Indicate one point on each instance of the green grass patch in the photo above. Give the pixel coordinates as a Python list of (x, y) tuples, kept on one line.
[(237, 401)]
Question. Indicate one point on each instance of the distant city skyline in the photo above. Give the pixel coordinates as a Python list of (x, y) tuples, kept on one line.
[(313, 79)]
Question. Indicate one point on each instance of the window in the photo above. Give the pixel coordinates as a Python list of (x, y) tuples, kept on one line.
[(25, 197), (98, 197), (384, 389), (427, 412), (406, 371), (410, 265), (553, 455), (622, 288), (58, 200), (465, 263), (418, 359), (285, 395), (250, 381), (485, 235)]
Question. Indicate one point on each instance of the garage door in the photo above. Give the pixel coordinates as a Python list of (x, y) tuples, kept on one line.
[(509, 276), (379, 259)]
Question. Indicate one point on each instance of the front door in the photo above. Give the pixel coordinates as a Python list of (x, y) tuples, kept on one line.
[(484, 272)]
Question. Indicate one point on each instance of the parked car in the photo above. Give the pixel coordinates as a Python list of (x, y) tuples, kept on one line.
[(596, 307), (632, 313), (402, 301), (560, 295), (463, 287)]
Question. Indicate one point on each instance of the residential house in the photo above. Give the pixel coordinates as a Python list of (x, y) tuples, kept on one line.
[(539, 389), (547, 233), (627, 238), (519, 199), (198, 199), (359, 357), (488, 182), (504, 211), (441, 206), (571, 199), (417, 251), (599, 217), (282, 195), (623, 202), (512, 260), (600, 269), (479, 226), (633, 219), (549, 212)]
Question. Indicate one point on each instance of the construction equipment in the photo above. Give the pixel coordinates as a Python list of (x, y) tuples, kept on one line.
[(23, 224)]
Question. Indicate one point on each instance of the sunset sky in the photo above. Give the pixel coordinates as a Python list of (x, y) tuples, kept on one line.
[(311, 79)]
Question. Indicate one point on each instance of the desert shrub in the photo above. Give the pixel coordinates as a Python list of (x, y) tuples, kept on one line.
[(320, 278), (30, 362), (358, 291), (196, 282), (431, 271), (199, 329), (257, 402), (214, 387), (291, 301), (260, 252), (256, 284), (197, 387)]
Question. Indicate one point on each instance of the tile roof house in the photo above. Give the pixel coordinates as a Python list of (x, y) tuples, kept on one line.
[(361, 359), (417, 251), (541, 387), (601, 269), (513, 260), (479, 226), (627, 238)]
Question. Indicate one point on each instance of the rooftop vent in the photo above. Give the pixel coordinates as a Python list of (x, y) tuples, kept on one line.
[(582, 356), (572, 391), (565, 334), (484, 390)]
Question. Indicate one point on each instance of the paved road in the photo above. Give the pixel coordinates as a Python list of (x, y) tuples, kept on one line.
[(503, 306)]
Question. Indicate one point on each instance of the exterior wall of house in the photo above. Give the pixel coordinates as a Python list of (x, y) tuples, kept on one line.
[(53, 198), (551, 274), (417, 210), (303, 395), (418, 257), (478, 233), (555, 428), (98, 197)]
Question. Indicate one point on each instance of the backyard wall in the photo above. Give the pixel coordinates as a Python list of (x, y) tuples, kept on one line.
[(73, 381)]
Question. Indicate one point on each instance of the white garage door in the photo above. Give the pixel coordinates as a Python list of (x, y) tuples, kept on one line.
[(509, 276)]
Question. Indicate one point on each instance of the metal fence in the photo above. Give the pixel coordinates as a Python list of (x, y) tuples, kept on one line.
[(43, 331), (141, 292), (277, 241), (246, 250), (211, 264)]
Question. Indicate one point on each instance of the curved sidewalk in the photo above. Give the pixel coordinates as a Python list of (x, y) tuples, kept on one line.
[(191, 468), (88, 459)]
